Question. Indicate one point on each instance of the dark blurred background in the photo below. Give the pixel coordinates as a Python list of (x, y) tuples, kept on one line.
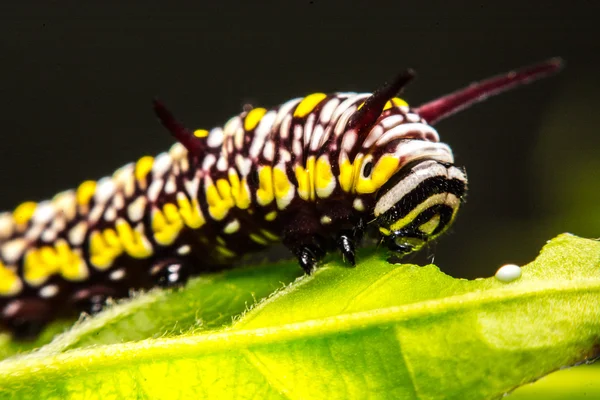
[(77, 79)]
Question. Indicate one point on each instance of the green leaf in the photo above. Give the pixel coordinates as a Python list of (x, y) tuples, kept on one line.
[(377, 331)]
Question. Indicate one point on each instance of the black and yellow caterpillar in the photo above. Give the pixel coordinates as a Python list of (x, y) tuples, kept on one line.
[(314, 173)]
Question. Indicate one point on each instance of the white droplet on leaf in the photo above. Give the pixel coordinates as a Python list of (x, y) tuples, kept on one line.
[(508, 273)]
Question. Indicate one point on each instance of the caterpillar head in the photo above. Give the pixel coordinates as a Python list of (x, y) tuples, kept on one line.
[(417, 188), (419, 203)]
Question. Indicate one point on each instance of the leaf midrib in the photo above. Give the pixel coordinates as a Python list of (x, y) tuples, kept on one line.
[(185, 347)]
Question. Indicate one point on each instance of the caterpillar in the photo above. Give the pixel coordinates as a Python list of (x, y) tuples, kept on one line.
[(316, 173)]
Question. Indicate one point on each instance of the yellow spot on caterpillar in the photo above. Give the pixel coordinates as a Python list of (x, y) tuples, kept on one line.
[(23, 213), (232, 227), (284, 191), (429, 226), (383, 170), (265, 194), (356, 167), (256, 238), (72, 266), (440, 198), (239, 190), (142, 167), (271, 216), (218, 207), (10, 284), (135, 244), (191, 213), (305, 177), (308, 104), (346, 170), (167, 224), (200, 133), (388, 105), (40, 264), (269, 235), (225, 251), (85, 191), (324, 179), (253, 118), (398, 102), (105, 247)]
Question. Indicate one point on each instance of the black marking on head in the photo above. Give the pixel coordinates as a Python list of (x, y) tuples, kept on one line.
[(426, 189), (368, 168)]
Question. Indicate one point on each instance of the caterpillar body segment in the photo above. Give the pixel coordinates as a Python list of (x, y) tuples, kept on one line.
[(315, 173)]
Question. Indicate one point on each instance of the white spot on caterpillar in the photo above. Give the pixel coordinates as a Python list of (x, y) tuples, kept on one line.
[(316, 137), (178, 151), (260, 133), (135, 210), (191, 186), (243, 164), (222, 163), (284, 129), (48, 235), (105, 188), (285, 109), (297, 148), (327, 110), (308, 129), (269, 151), (162, 164), (285, 155), (77, 233), (48, 291), (208, 162), (12, 308), (171, 185), (340, 126), (375, 134), (411, 117), (358, 205), (232, 227), (215, 137), (43, 213), (391, 121), (65, 203), (508, 273), (154, 190), (118, 201), (117, 274), (409, 129), (183, 250), (110, 214), (11, 251), (348, 141), (352, 100), (325, 220), (125, 180), (34, 232), (6, 225)]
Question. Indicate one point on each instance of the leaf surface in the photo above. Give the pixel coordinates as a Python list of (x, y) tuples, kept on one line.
[(377, 331)]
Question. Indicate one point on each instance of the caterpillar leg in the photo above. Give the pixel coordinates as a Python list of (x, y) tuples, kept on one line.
[(308, 257), (347, 246), (26, 318), (92, 300), (347, 240), (171, 272)]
